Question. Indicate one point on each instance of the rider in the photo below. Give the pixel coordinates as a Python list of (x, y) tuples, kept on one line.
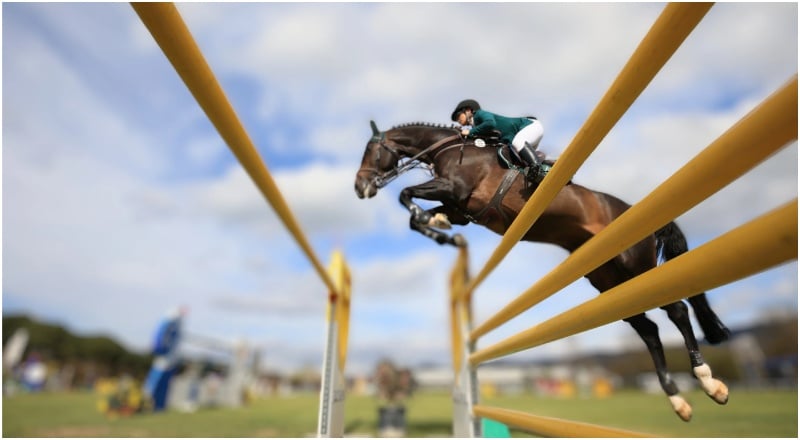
[(524, 134)]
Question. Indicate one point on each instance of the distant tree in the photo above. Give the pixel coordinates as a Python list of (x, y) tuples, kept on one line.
[(89, 354)]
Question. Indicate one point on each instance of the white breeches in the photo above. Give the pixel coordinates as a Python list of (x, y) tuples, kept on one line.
[(531, 134)]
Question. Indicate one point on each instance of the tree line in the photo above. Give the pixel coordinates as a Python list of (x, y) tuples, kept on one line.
[(88, 356)]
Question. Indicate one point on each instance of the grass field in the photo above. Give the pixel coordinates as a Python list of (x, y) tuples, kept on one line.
[(748, 414)]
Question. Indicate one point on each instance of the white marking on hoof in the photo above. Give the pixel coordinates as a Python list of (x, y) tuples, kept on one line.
[(721, 395), (681, 407), (439, 221), (715, 389)]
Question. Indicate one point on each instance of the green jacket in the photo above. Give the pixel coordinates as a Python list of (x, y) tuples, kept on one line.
[(485, 122)]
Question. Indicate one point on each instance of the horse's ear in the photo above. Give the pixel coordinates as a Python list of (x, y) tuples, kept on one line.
[(375, 130)]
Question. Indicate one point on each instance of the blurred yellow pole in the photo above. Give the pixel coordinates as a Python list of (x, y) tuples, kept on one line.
[(170, 32), (758, 245), (459, 307), (551, 427), (666, 35), (762, 132), (341, 277)]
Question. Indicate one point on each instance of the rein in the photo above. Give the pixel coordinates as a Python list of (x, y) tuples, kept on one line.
[(384, 179)]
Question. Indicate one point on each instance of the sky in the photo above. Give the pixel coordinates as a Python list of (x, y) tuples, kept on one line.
[(121, 201)]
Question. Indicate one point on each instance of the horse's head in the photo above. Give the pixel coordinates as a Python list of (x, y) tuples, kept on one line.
[(414, 142), (379, 158)]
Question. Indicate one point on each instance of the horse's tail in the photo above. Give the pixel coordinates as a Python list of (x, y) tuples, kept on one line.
[(671, 243)]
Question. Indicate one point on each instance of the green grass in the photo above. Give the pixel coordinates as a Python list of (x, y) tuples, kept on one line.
[(748, 414)]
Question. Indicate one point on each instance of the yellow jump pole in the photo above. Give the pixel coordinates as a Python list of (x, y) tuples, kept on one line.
[(341, 273), (762, 132), (465, 384), (751, 248), (458, 279), (170, 32), (333, 385), (552, 427), (668, 32)]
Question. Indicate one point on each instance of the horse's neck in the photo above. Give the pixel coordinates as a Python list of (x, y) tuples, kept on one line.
[(416, 141)]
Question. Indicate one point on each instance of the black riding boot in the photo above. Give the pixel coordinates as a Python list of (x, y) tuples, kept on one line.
[(534, 168)]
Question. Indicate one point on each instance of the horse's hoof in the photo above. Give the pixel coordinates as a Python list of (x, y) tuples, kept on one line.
[(459, 240), (721, 394), (439, 221), (681, 407), (685, 415)]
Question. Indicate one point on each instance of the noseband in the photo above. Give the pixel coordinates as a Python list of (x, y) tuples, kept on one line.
[(383, 179)]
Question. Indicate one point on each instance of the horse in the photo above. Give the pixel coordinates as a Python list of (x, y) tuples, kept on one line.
[(474, 185)]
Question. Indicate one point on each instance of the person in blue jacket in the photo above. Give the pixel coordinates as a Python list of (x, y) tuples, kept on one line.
[(165, 359), (523, 134)]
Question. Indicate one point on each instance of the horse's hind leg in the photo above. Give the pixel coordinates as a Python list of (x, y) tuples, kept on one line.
[(713, 329), (648, 331), (625, 267), (678, 313)]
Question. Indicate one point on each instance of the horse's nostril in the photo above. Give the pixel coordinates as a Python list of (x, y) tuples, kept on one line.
[(362, 188)]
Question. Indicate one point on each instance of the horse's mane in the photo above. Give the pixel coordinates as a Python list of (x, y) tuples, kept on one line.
[(426, 125)]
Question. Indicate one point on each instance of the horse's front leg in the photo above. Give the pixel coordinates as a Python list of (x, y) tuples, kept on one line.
[(424, 221), (436, 190), (444, 217), (438, 236)]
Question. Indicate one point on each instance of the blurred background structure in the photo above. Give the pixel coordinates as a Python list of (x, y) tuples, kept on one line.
[(753, 359)]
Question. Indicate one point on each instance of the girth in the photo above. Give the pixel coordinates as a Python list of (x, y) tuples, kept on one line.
[(494, 203)]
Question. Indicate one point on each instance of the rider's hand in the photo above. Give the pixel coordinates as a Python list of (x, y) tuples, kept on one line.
[(465, 132)]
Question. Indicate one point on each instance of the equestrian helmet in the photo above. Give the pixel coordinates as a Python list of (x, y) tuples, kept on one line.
[(467, 103)]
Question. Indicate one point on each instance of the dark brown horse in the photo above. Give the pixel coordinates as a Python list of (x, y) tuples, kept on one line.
[(473, 185)]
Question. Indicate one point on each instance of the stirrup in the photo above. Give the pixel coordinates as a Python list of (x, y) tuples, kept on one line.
[(533, 166), (533, 173)]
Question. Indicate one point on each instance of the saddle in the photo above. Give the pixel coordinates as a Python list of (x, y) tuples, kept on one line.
[(508, 158)]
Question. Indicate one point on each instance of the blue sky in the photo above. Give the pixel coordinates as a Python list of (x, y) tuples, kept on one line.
[(120, 200)]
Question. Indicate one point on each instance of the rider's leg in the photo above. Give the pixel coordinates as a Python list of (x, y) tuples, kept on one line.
[(528, 155), (525, 143)]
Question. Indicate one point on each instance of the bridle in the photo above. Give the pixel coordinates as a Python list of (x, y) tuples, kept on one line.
[(382, 179)]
